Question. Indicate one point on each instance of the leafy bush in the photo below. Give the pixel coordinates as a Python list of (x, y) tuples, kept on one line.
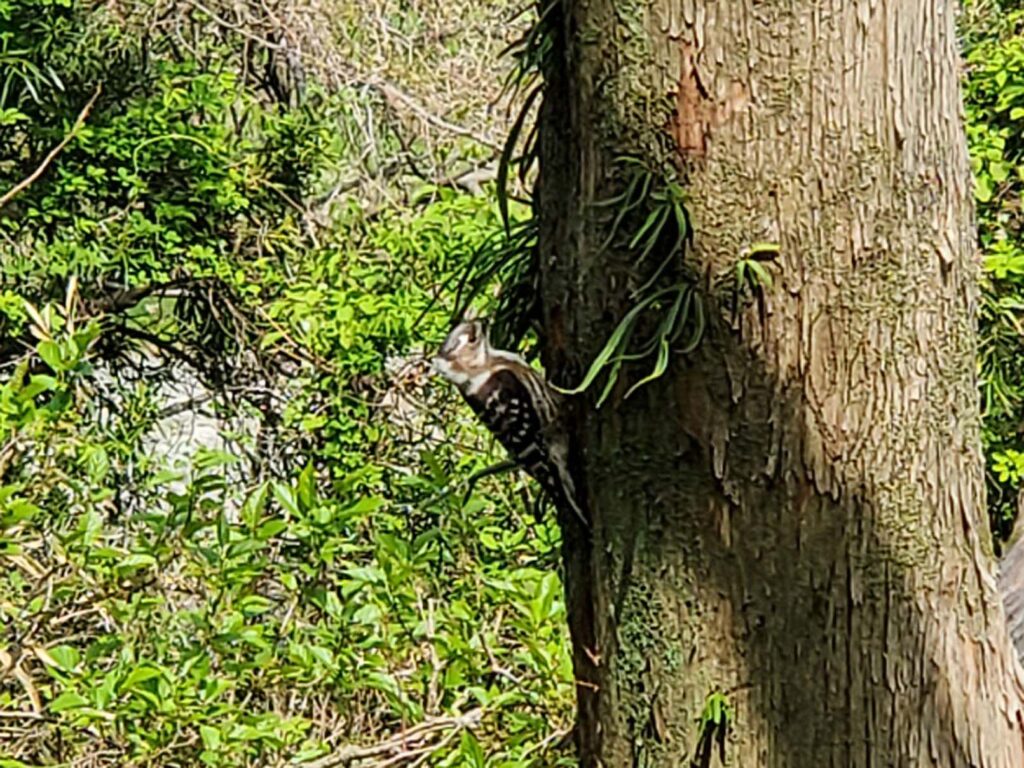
[(319, 579), (994, 96)]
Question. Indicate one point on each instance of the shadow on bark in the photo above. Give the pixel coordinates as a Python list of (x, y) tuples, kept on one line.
[(726, 556)]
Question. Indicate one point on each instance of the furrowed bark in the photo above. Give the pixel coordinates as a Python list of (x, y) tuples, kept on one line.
[(793, 515)]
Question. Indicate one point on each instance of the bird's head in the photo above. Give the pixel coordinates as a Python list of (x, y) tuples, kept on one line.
[(464, 352)]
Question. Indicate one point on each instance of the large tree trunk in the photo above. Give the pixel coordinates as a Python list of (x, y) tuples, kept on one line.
[(793, 514)]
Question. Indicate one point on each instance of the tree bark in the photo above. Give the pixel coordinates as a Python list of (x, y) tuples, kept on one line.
[(793, 514)]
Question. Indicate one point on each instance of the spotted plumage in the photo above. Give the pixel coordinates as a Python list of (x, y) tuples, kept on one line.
[(515, 403)]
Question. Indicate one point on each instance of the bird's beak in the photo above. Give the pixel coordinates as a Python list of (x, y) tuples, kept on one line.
[(441, 365)]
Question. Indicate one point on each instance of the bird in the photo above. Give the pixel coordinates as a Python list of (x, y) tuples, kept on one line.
[(516, 404)]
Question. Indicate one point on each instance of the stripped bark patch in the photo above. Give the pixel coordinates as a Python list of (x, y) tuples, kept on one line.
[(697, 114)]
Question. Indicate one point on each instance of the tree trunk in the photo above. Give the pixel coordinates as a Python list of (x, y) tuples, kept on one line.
[(792, 515)]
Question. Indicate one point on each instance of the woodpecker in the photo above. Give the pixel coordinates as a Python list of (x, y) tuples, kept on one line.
[(516, 404)]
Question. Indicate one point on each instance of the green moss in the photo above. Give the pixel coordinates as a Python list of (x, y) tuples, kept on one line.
[(627, 87)]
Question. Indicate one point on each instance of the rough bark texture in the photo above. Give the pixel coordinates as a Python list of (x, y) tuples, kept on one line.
[(793, 514)]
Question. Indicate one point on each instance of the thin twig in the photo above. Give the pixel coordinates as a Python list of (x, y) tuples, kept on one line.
[(79, 122), (393, 94), (406, 746), (239, 28), (23, 714)]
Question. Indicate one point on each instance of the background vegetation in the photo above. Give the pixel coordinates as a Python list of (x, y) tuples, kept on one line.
[(237, 522), (994, 101)]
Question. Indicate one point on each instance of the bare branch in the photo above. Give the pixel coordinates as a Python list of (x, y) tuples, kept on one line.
[(79, 122), (394, 97), (407, 747)]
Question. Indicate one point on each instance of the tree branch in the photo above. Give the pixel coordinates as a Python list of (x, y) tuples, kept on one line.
[(395, 96), (27, 181), (127, 298)]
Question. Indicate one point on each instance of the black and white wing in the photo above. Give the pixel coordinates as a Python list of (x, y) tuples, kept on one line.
[(505, 406), (517, 406)]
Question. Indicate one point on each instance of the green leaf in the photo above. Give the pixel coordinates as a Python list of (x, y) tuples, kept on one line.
[(369, 615), (68, 700), (764, 249), (470, 749), (629, 200), (137, 560), (370, 504), (254, 605), (505, 160), (66, 656), (49, 351), (654, 222), (139, 675), (698, 326), (983, 190), (660, 366), (37, 384), (307, 487), (618, 340), (270, 529), (210, 737), (999, 170), (285, 496), (16, 511), (764, 277), (11, 116), (255, 503)]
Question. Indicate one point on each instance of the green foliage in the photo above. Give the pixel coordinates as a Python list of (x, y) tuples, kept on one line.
[(649, 217), (510, 259), (227, 618), (372, 297), (531, 54), (749, 279), (715, 720), (506, 259), (314, 580), (717, 710), (225, 622), (751, 275), (994, 96), (678, 309)]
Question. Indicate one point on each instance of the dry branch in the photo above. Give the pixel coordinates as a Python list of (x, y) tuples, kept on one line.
[(405, 748), (30, 179)]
